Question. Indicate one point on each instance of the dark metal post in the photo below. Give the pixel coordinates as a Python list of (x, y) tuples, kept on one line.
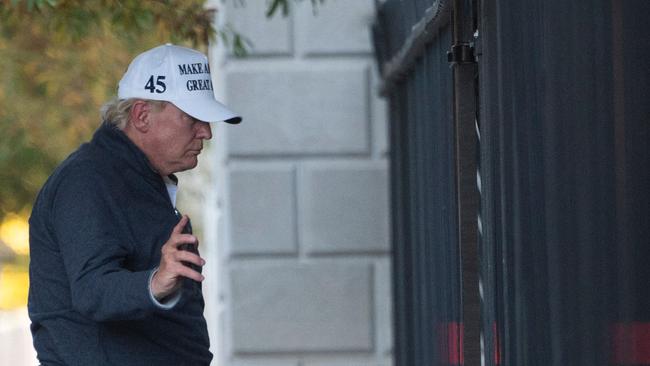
[(464, 72)]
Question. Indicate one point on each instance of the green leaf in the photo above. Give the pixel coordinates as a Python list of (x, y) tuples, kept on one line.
[(241, 45), (275, 5), (144, 19)]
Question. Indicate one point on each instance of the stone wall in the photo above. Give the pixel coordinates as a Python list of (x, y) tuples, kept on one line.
[(303, 235)]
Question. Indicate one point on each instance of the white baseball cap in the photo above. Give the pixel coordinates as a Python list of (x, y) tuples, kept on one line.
[(178, 75)]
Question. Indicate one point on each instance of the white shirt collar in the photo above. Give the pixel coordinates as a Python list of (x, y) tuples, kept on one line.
[(172, 188)]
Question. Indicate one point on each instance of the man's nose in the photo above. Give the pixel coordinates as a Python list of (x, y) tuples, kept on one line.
[(205, 131)]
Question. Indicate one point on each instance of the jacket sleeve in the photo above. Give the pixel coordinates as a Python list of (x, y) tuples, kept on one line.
[(88, 226)]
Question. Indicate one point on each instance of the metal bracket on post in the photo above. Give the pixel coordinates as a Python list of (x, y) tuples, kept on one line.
[(462, 53)]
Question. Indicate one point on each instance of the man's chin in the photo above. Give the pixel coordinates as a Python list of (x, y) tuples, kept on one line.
[(187, 165)]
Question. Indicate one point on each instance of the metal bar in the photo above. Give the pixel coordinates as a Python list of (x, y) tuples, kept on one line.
[(422, 33), (625, 288), (464, 71)]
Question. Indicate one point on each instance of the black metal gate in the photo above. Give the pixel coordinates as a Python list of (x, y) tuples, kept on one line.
[(541, 107)]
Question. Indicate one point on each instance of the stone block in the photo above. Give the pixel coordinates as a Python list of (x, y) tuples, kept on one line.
[(344, 208), (336, 27), (350, 362), (300, 111), (379, 116), (262, 209), (269, 36), (316, 307), (265, 362), (384, 303)]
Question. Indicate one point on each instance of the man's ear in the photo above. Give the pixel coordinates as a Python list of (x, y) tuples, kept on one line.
[(139, 116)]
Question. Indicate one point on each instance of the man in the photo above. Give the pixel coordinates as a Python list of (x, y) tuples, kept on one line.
[(110, 283)]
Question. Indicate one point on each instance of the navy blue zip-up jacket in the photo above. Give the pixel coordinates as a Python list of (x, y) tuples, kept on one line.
[(96, 232)]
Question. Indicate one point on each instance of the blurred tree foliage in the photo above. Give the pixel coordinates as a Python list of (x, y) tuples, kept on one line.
[(61, 59)]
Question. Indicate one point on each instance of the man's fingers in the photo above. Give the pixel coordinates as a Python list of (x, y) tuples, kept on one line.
[(176, 263), (188, 272), (190, 257), (179, 239), (166, 279), (181, 225)]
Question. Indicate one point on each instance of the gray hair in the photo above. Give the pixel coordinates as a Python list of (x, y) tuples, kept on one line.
[(116, 111)]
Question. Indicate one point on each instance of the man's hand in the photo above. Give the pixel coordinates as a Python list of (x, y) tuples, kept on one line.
[(171, 271)]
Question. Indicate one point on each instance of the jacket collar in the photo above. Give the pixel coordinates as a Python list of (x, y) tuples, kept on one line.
[(110, 138)]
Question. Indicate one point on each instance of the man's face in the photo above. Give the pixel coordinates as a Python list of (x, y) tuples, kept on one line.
[(175, 139)]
